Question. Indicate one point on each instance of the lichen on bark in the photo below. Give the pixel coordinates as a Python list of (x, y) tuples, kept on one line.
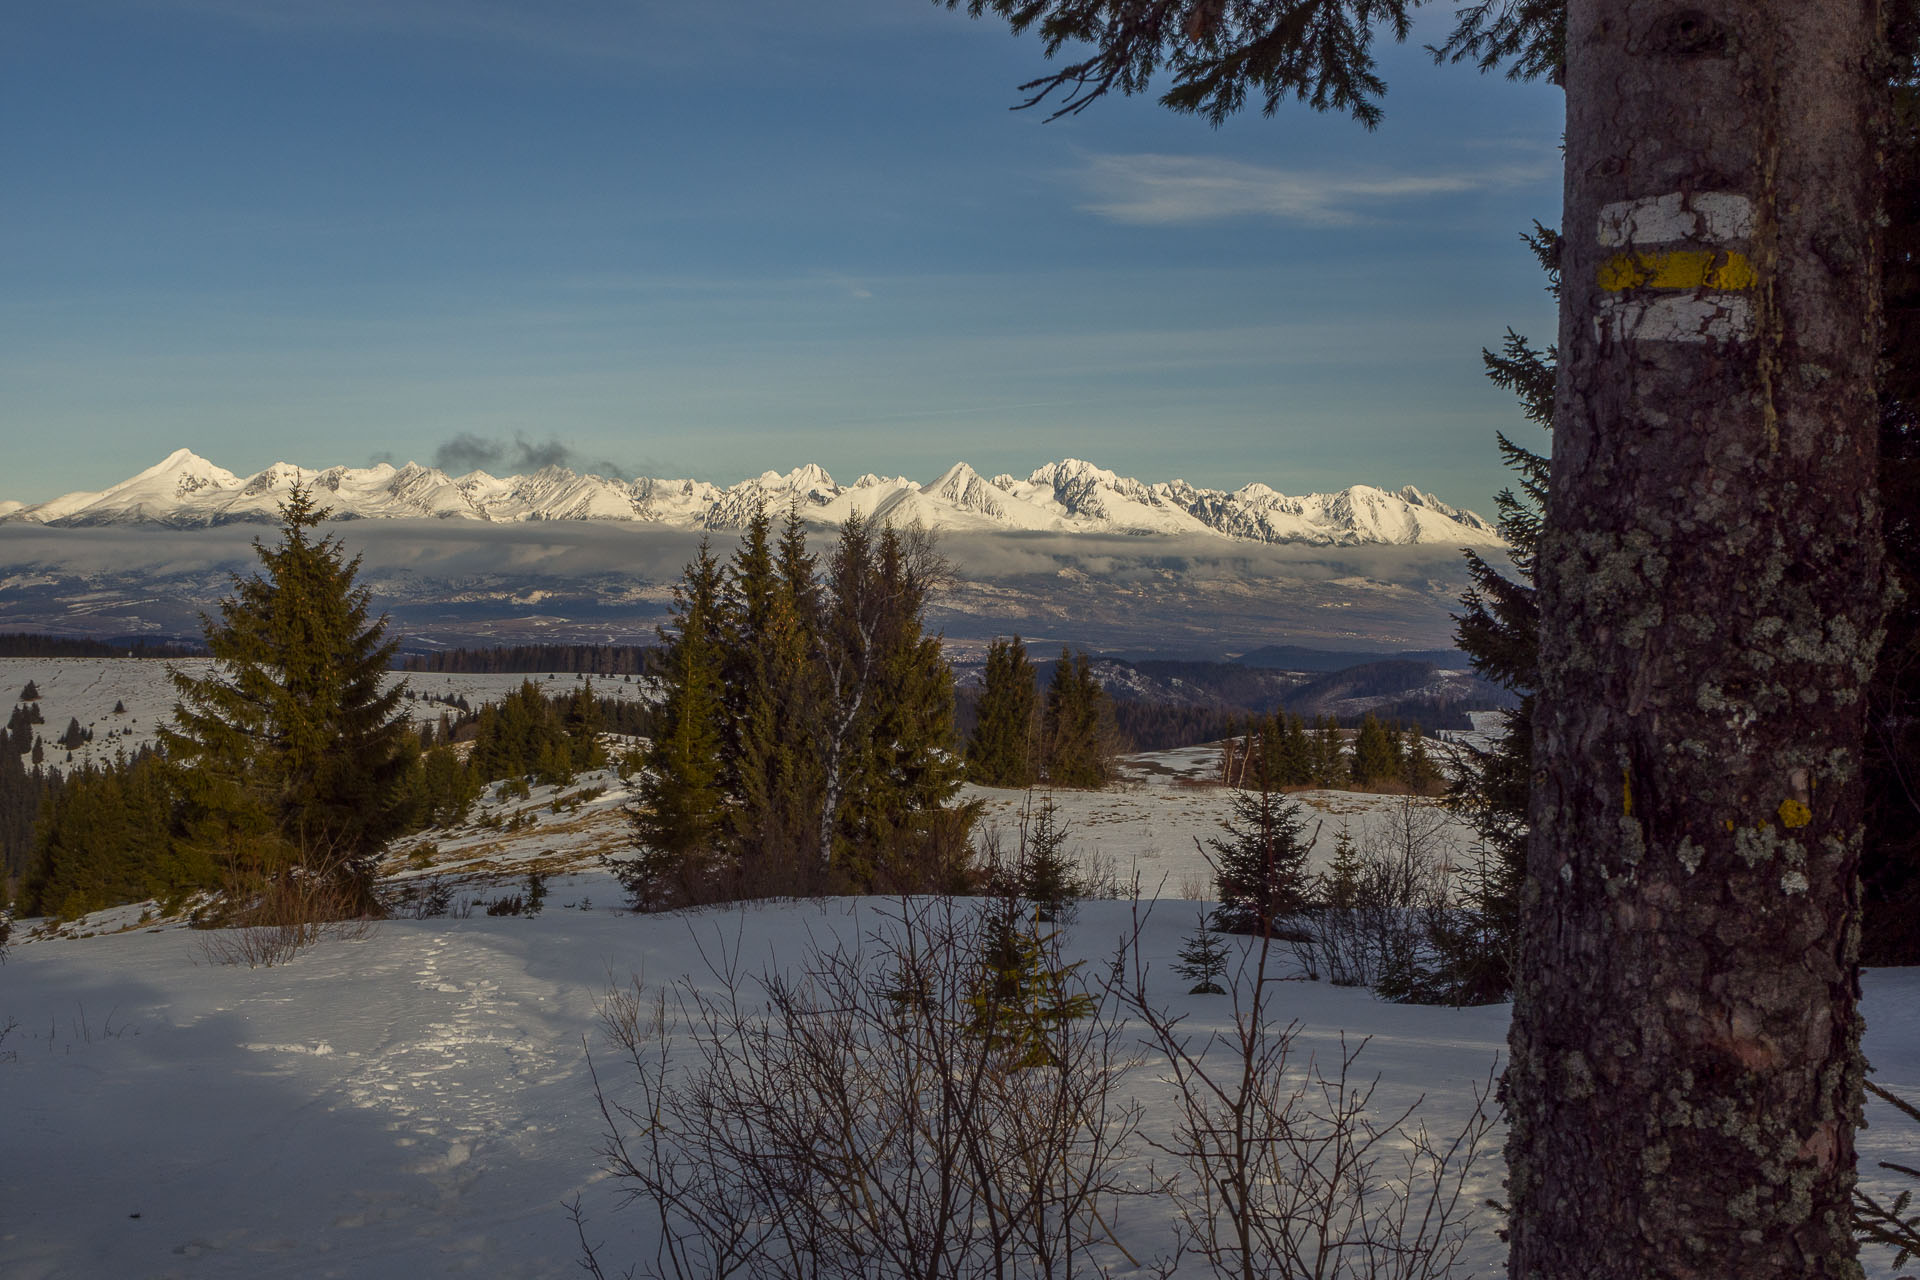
[(1684, 1072)]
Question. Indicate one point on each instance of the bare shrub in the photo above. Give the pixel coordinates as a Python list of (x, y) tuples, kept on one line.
[(852, 1120), (1287, 1171), (1371, 929), (271, 922), (423, 900), (1100, 878), (1195, 886)]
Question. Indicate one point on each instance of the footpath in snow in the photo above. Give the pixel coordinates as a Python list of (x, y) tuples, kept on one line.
[(417, 1100)]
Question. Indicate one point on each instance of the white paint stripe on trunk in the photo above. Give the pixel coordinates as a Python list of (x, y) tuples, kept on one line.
[(1707, 217), (1710, 317)]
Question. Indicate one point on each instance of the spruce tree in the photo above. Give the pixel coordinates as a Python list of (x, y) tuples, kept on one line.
[(1292, 754), (795, 775), (290, 752), (1078, 725), (19, 808), (1417, 768), (1203, 960), (1023, 993), (1474, 947), (1329, 754), (1047, 877), (444, 788), (106, 838), (847, 650), (1001, 751), (1260, 865), (807, 736), (581, 725), (679, 809), (1341, 885), (1374, 758), (902, 768), (757, 633)]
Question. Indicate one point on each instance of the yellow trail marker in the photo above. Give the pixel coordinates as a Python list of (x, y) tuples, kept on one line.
[(1677, 269)]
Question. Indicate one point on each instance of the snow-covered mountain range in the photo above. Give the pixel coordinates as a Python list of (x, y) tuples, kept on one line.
[(187, 491)]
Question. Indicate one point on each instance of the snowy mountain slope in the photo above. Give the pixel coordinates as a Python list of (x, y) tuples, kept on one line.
[(1069, 496)]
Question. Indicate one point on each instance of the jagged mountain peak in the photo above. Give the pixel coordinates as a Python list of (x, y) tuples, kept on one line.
[(1068, 496)]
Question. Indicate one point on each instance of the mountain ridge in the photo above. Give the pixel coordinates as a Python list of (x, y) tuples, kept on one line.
[(187, 491)]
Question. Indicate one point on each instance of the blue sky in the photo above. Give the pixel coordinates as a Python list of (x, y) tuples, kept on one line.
[(702, 239)]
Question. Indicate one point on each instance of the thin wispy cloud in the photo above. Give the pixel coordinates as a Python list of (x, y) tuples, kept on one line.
[(617, 31), (1163, 190)]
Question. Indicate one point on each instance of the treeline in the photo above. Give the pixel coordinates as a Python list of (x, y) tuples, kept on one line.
[(22, 644), (628, 717), (121, 831), (1281, 751), (529, 734), (1014, 737), (1068, 739), (1162, 726), (21, 793), (591, 659), (804, 744)]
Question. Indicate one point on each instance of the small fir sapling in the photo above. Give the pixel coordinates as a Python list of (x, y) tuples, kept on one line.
[(31, 693), (1203, 959), (1024, 993), (1260, 865), (1340, 884), (1047, 876)]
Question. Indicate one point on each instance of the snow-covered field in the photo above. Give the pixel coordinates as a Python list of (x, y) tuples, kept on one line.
[(416, 1101), (88, 689)]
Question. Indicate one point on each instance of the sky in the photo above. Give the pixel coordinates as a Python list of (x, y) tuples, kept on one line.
[(708, 239)]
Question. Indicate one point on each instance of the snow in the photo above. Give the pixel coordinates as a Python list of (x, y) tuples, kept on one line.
[(417, 1100), (87, 689), (1156, 821), (1071, 495)]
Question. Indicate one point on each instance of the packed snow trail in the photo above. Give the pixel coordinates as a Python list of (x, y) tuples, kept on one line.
[(417, 1102)]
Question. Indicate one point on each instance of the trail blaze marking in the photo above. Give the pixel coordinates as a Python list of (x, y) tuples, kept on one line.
[(1677, 269), (1708, 218), (1693, 291), (1675, 318)]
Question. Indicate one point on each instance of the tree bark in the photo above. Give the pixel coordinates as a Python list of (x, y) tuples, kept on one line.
[(1684, 1082)]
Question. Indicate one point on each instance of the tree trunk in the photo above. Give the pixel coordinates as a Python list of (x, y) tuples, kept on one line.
[(1684, 1082)]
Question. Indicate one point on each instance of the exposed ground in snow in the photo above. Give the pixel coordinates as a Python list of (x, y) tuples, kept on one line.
[(416, 1101)]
